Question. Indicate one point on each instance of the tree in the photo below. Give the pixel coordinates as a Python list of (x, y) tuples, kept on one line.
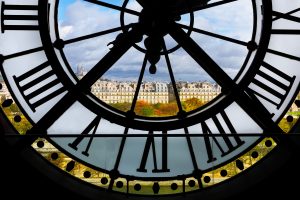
[(122, 106), (192, 104), (169, 109), (143, 108), (147, 111)]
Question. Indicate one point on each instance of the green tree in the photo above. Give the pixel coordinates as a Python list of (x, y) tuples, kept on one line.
[(147, 111), (143, 108)]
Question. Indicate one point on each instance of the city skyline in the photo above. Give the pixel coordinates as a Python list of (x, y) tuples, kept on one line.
[(112, 92)]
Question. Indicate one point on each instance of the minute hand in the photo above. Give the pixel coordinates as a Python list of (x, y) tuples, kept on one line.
[(201, 57), (184, 7), (244, 98), (121, 46)]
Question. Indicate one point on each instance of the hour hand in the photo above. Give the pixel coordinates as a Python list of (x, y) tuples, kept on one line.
[(181, 7), (172, 3)]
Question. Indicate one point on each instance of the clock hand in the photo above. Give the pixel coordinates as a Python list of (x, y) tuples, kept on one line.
[(148, 3), (180, 7), (93, 35), (108, 5), (244, 98), (185, 7), (123, 44), (222, 37), (201, 57)]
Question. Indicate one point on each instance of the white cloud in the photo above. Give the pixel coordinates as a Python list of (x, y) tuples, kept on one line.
[(87, 18), (232, 20), (65, 31)]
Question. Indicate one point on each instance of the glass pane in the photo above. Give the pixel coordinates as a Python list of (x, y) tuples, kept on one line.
[(222, 40)]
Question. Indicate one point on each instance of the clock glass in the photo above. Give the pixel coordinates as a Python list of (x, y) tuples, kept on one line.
[(151, 97)]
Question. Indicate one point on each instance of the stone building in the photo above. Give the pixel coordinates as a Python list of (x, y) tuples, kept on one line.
[(153, 92), (121, 92), (205, 91)]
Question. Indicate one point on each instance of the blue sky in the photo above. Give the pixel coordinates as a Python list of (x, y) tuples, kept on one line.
[(79, 18), (63, 7)]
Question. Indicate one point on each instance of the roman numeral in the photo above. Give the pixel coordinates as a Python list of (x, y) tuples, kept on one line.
[(39, 85), (282, 54), (26, 22), (286, 16), (21, 53), (191, 150), (93, 126), (225, 142), (150, 143), (285, 31), (265, 80)]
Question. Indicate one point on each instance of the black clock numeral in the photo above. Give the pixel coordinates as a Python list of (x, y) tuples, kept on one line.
[(210, 139), (286, 16), (32, 91), (284, 55), (269, 80), (150, 143), (93, 126), (21, 53), (285, 31), (191, 150), (26, 20)]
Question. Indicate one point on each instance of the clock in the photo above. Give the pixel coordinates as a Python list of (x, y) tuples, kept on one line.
[(177, 98)]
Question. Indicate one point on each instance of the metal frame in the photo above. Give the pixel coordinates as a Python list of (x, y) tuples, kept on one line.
[(232, 91)]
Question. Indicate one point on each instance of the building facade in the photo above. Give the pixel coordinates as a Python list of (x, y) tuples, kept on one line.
[(204, 91), (122, 92), (153, 92)]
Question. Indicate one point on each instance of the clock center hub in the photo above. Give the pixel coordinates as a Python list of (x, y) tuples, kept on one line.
[(156, 21)]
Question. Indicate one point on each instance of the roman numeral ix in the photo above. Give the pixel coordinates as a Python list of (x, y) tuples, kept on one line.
[(286, 16)]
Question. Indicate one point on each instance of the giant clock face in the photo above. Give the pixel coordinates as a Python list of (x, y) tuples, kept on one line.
[(254, 68)]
